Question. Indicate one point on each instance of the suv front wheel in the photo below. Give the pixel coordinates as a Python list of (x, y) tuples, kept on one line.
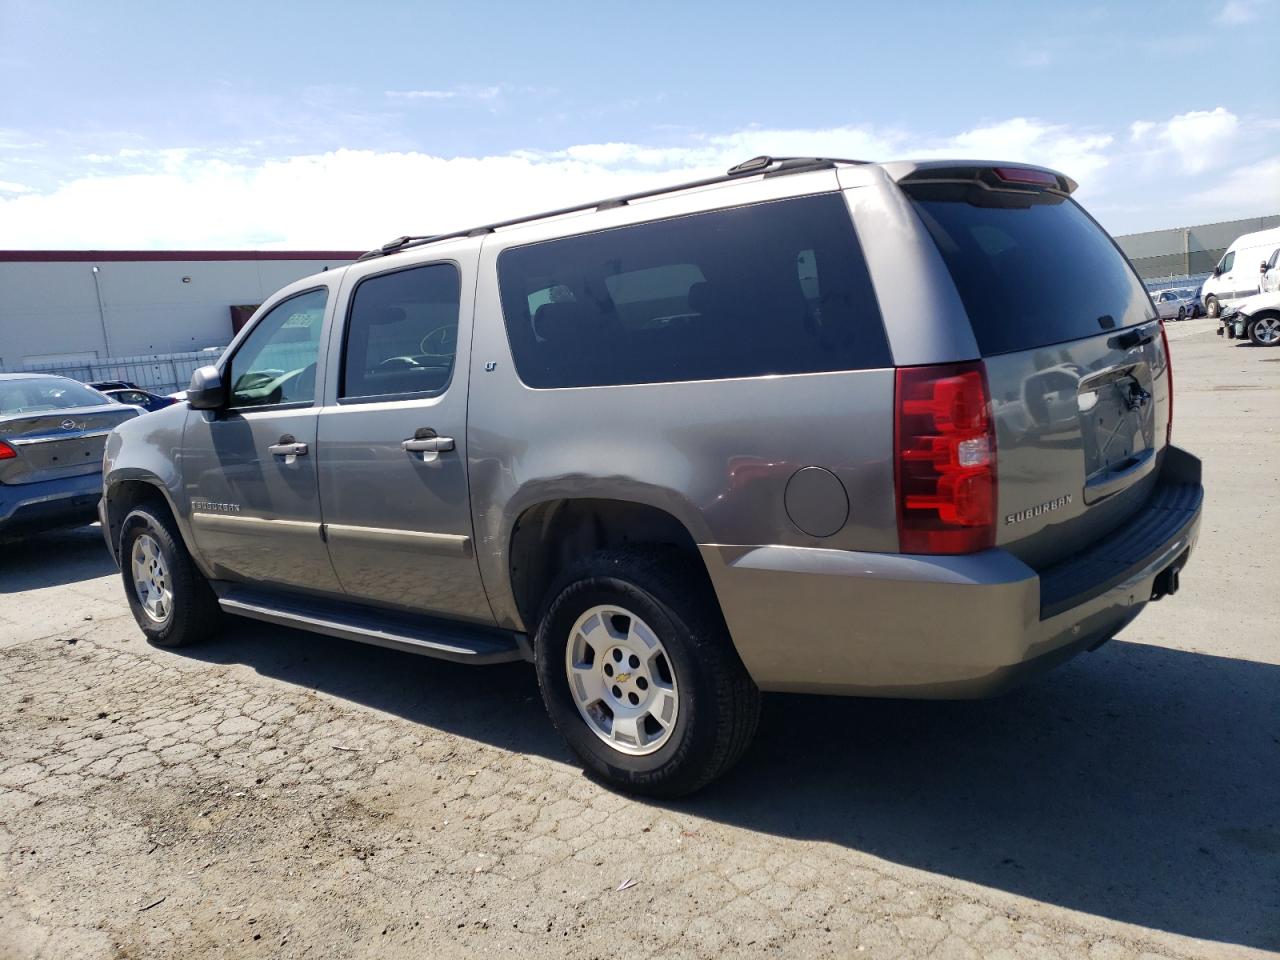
[(169, 597), (639, 675)]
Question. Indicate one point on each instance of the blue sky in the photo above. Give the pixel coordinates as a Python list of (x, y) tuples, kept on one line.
[(341, 124)]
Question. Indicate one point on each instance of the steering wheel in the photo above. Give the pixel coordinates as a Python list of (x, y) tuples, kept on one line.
[(444, 331)]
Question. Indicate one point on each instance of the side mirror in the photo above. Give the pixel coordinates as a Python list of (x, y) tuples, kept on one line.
[(206, 391), (1263, 268), (1217, 271)]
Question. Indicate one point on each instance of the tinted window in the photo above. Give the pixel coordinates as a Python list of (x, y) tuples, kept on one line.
[(1005, 259), (277, 361), (1228, 262), (46, 393), (402, 333), (773, 288)]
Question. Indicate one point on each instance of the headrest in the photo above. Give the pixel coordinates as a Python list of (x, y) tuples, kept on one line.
[(564, 322)]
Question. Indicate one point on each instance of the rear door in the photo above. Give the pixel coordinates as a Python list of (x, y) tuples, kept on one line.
[(250, 469), (392, 439), (1079, 380)]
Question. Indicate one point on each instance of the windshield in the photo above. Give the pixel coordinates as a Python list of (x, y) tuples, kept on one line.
[(1002, 258), (46, 393)]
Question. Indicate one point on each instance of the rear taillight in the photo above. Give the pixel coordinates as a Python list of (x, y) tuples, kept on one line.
[(1168, 366), (945, 446), (7, 452)]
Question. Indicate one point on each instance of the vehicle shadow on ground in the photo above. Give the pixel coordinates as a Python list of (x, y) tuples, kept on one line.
[(53, 558), (1138, 783)]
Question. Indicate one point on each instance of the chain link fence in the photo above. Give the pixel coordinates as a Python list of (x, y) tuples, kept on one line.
[(163, 373)]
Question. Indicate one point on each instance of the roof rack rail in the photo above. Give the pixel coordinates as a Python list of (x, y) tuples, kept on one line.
[(769, 166)]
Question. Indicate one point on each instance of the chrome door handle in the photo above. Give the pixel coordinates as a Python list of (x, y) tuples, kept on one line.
[(287, 448), (428, 444)]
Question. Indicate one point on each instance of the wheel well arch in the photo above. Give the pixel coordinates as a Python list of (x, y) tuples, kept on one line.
[(550, 535), (124, 496)]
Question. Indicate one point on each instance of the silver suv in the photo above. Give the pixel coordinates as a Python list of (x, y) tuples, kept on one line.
[(809, 426)]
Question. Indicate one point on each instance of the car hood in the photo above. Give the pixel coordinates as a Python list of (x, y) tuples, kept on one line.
[(1259, 301)]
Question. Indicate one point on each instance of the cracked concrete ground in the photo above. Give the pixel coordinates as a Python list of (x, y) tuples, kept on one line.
[(277, 794)]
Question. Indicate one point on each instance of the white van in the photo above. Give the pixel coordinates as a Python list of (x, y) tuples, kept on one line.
[(1271, 275), (1239, 272)]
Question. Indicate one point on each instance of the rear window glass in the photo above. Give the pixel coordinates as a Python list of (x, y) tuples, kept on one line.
[(52, 393), (1033, 275), (774, 288)]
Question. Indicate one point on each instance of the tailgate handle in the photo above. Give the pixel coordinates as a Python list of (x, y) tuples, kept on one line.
[(1113, 481), (1138, 337)]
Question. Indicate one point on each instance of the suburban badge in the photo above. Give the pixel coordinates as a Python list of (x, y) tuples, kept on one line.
[(1036, 511)]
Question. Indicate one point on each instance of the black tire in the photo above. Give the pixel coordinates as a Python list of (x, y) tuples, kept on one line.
[(1252, 331), (1182, 313), (1211, 307), (718, 706), (194, 614)]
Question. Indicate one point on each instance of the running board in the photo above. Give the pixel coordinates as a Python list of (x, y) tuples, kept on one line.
[(445, 639)]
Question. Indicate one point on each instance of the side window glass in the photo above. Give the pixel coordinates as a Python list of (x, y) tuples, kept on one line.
[(402, 333), (277, 362), (1228, 262), (772, 288)]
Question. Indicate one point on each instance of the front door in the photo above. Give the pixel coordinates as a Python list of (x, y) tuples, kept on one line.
[(250, 469), (392, 441)]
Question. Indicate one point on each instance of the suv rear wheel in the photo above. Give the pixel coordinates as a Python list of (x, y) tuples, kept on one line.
[(639, 675), (169, 597)]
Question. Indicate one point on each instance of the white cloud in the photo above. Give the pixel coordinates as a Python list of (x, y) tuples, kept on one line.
[(1194, 141), (453, 93), (1245, 191), (1237, 12), (228, 197), (8, 186)]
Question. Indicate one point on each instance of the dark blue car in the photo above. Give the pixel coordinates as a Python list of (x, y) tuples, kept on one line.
[(137, 397)]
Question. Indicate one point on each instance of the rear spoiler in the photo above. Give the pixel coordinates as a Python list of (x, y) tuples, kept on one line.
[(994, 175)]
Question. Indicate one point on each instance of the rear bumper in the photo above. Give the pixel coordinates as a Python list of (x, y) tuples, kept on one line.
[(28, 507), (888, 625)]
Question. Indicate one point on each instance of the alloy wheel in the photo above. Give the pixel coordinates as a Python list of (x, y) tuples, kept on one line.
[(151, 579), (622, 681)]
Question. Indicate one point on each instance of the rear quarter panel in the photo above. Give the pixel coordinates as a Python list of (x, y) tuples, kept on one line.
[(716, 455)]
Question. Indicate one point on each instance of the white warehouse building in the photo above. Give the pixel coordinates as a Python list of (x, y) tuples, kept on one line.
[(146, 316)]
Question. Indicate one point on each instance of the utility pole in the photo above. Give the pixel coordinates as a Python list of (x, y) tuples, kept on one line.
[(102, 314)]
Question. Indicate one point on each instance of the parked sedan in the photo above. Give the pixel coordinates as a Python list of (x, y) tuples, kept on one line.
[(1176, 304), (138, 397), (52, 431)]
